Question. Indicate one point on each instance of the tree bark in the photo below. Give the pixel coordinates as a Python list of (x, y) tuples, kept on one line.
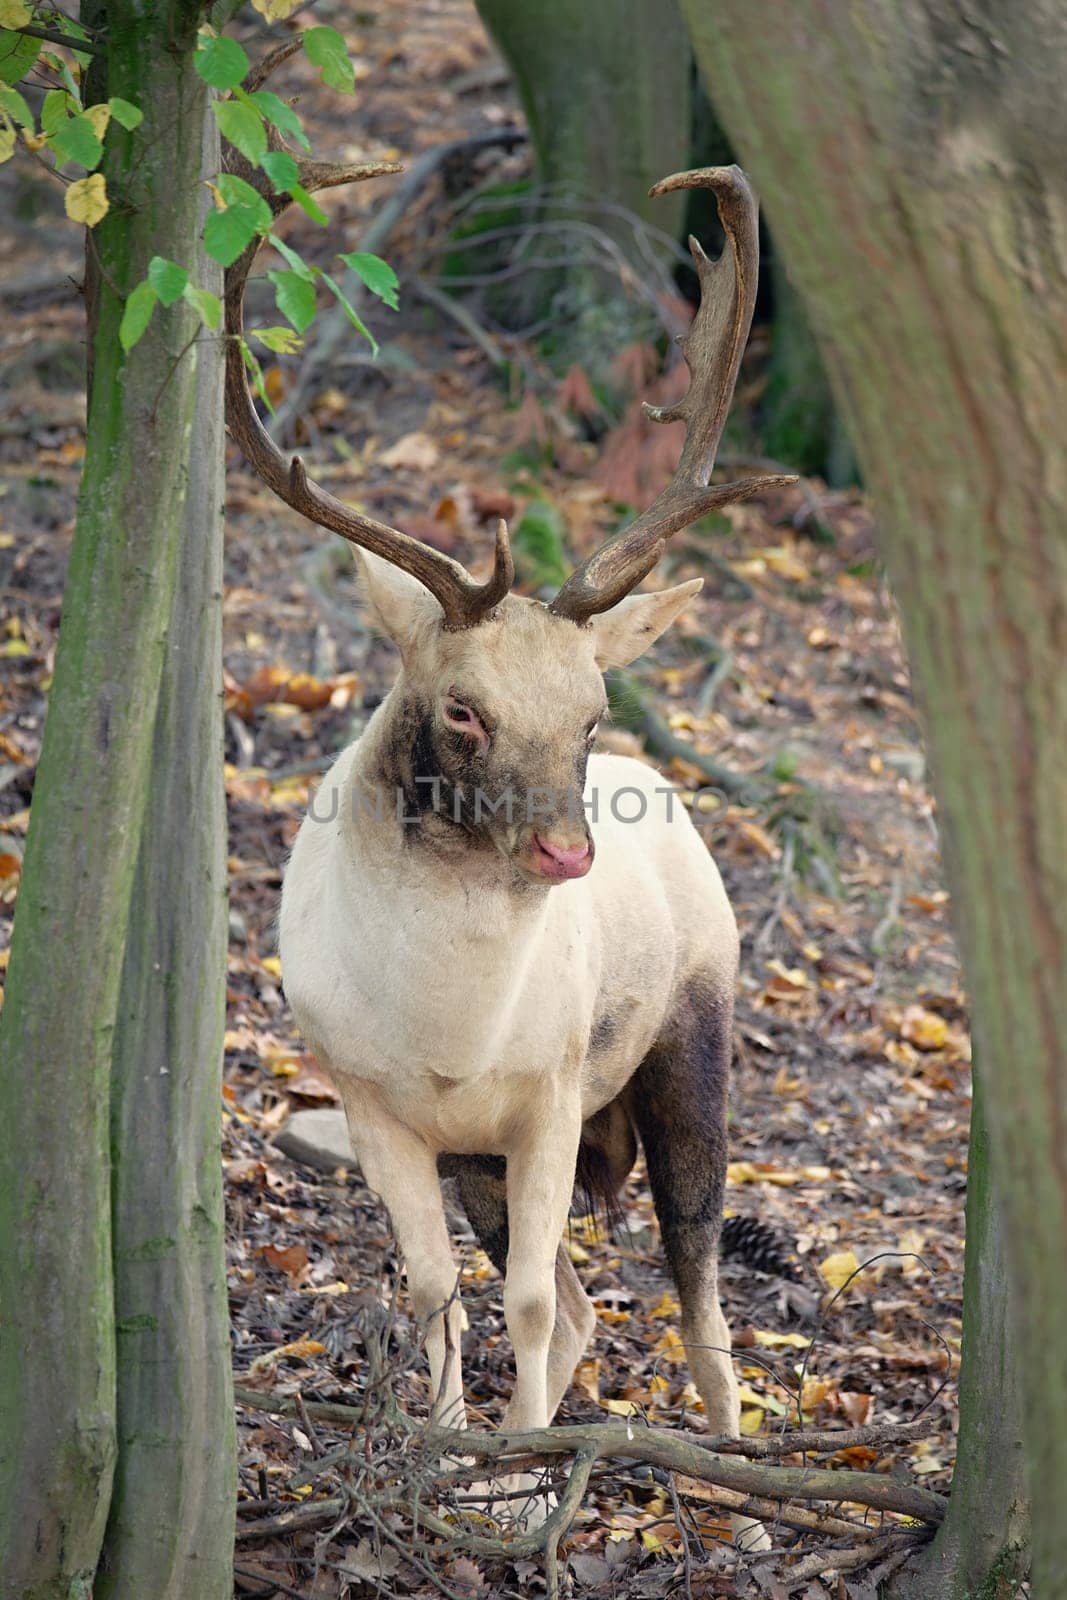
[(605, 85), (170, 1532), (910, 157), (57, 1356), (980, 1547), (605, 88), (799, 421)]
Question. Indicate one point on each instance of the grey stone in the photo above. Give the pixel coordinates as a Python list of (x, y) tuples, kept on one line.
[(317, 1138)]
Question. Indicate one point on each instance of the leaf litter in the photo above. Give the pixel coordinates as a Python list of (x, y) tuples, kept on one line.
[(851, 1088)]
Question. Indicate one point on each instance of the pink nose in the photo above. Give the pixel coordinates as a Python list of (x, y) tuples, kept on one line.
[(562, 861)]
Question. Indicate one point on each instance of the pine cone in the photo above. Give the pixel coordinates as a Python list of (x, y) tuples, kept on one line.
[(758, 1246)]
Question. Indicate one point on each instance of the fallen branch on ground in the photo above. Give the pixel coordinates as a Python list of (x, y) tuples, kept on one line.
[(724, 1463)]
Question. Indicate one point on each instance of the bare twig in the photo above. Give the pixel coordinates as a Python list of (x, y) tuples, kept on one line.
[(88, 47), (309, 1514), (270, 63), (666, 744), (454, 309), (828, 1563), (333, 325), (274, 1585)]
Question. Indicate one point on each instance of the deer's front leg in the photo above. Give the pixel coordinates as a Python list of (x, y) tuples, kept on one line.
[(540, 1183), (402, 1169)]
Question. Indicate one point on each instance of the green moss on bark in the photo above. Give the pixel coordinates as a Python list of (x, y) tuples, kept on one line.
[(57, 1354)]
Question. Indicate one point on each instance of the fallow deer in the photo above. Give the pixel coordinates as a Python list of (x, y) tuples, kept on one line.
[(492, 1003)]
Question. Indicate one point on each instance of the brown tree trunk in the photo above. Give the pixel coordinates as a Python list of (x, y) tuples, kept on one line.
[(909, 155)]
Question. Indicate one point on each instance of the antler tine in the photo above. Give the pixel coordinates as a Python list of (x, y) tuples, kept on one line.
[(464, 602), (713, 348)]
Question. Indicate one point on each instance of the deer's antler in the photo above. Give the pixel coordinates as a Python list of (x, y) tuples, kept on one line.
[(713, 348), (463, 601)]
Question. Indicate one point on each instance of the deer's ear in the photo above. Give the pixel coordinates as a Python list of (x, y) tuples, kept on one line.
[(400, 604), (624, 632)]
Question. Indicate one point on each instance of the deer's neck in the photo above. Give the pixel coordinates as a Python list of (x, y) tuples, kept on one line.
[(405, 819)]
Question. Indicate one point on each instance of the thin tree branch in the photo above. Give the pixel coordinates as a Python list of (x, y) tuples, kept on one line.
[(88, 47)]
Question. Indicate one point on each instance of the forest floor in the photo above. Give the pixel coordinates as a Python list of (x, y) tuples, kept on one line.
[(851, 1088)]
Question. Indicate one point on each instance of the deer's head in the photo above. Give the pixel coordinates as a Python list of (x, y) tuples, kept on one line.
[(501, 694), (495, 723)]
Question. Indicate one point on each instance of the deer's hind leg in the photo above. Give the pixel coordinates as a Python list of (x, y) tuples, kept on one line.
[(482, 1184), (678, 1100)]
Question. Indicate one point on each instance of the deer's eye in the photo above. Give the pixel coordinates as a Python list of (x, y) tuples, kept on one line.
[(462, 718)]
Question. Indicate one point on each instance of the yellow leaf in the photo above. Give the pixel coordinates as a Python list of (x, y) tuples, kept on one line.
[(587, 1378), (34, 141), (669, 1347), (924, 1029), (667, 1308), (87, 200), (910, 1244), (658, 1384), (776, 1341), (837, 1269), (814, 1392), (98, 117), (7, 141), (651, 1541), (578, 1253), (621, 1408), (15, 14), (273, 965), (276, 10), (752, 1419), (15, 647)]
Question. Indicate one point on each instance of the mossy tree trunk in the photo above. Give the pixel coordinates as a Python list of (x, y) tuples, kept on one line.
[(605, 85), (606, 92), (910, 160), (58, 1025), (980, 1548), (799, 422), (170, 1532)]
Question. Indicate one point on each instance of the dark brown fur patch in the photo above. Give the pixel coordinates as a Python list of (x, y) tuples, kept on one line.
[(678, 1100)]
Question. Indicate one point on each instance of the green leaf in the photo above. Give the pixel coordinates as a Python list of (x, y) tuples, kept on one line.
[(376, 274), (256, 372), (167, 279), (208, 306), (350, 311), (282, 341), (277, 113), (76, 141), (221, 62), (236, 192), (14, 106), (137, 315), (305, 201), (295, 260), (243, 126), (130, 116), (60, 66), (295, 298), (284, 174), (328, 51), (55, 110), (17, 55), (227, 233), (281, 169)]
